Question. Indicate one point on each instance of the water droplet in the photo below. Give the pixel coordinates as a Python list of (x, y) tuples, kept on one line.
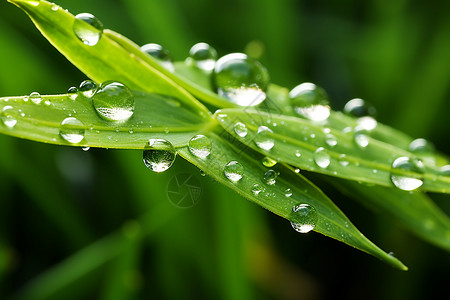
[(270, 177), (85, 148), (361, 137), (72, 130), (203, 56), (297, 170), (297, 153), (288, 192), (411, 181), (268, 162), (322, 158), (256, 189), (73, 92), (367, 123), (233, 171), (160, 54), (35, 97), (359, 108), (114, 102), (54, 7), (421, 147), (303, 218), (88, 29), (159, 155), (445, 170), (200, 146), (263, 139), (240, 129), (7, 119), (310, 101), (87, 88), (331, 140), (241, 79), (202, 173)]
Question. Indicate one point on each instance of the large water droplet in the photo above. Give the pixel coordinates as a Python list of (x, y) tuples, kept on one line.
[(233, 171), (7, 119), (113, 101), (310, 101), (240, 129), (367, 123), (72, 130), (200, 146), (322, 158), (413, 179), (159, 155), (88, 29), (359, 108), (87, 88), (35, 97), (160, 54), (268, 162), (203, 56), (270, 177), (303, 218), (421, 146), (241, 79), (263, 139)]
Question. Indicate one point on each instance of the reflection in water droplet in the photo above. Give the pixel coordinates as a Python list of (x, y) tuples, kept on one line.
[(35, 97), (233, 171), (7, 119), (72, 130), (88, 29), (322, 158), (114, 102), (240, 129), (367, 123), (410, 181), (256, 189), (241, 79), (159, 155), (160, 54), (270, 177), (310, 101), (263, 139), (268, 162), (203, 56), (303, 218), (200, 146)]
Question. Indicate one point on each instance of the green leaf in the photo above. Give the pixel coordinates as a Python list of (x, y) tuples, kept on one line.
[(296, 141)]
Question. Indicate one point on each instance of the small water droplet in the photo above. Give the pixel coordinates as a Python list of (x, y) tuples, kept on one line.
[(73, 92), (241, 79), (114, 102), (35, 97), (310, 101), (263, 139), (297, 170), (233, 171), (297, 153), (85, 148), (159, 155), (331, 140), (342, 160), (268, 162), (47, 103), (200, 146), (322, 158), (87, 88), (303, 218), (288, 192), (270, 177), (203, 56), (54, 7), (361, 137), (7, 119), (72, 130), (367, 123), (423, 149), (359, 108), (160, 54), (411, 181), (88, 29), (240, 129), (256, 189)]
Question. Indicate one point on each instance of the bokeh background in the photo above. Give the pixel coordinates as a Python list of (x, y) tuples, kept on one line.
[(99, 225)]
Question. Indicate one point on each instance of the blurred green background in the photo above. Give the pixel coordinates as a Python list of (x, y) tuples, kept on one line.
[(99, 225)]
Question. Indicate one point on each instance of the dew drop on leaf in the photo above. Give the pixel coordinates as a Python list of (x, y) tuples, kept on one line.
[(288, 192), (87, 88), (263, 139), (72, 130), (322, 158), (331, 140), (310, 101), (203, 56), (359, 108), (88, 29), (361, 137), (159, 155), (113, 101), (410, 181), (270, 177), (35, 97), (268, 162), (73, 92), (7, 119), (160, 54), (445, 170), (240, 129), (303, 218), (233, 171), (256, 189), (241, 79), (200, 145)]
